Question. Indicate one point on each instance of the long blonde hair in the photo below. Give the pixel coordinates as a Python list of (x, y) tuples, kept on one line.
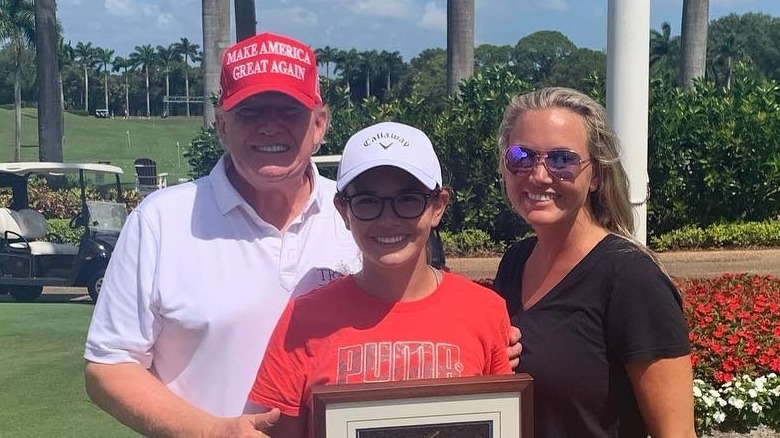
[(609, 204)]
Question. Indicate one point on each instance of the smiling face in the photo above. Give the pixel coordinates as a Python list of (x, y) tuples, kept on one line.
[(540, 199), (270, 137), (389, 240)]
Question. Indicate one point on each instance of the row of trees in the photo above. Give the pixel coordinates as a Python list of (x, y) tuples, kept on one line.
[(136, 84), (535, 58)]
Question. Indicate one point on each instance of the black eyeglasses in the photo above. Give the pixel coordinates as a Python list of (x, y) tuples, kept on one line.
[(563, 164), (410, 205)]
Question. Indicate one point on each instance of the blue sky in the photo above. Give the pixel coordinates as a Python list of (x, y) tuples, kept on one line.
[(408, 26)]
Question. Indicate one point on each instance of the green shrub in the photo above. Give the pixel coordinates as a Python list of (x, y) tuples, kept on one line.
[(714, 153), (204, 152), (736, 235), (61, 228), (65, 202), (469, 242)]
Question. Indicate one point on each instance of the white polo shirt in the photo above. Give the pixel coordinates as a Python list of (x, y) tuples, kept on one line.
[(198, 281)]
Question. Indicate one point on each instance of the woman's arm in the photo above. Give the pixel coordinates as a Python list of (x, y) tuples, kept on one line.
[(664, 392)]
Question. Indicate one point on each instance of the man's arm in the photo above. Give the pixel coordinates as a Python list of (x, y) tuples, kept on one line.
[(132, 395)]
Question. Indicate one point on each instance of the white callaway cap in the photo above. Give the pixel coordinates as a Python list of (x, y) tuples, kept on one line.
[(390, 144)]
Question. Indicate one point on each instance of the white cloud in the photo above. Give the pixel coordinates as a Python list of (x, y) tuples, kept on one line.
[(729, 3), (121, 8), (296, 16), (434, 18), (385, 8), (554, 5)]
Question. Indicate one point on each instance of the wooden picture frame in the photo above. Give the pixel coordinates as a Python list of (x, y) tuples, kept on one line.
[(463, 407)]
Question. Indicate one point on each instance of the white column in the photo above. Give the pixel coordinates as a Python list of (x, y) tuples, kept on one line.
[(628, 75)]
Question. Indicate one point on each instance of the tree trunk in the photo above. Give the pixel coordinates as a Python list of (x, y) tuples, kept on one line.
[(167, 93), (127, 97), (86, 89), (187, 86), (105, 86), (693, 39), (17, 113), (460, 42), (148, 106), (246, 24), (216, 38), (50, 124)]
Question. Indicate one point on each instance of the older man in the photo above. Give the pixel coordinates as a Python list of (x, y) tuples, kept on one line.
[(203, 270)]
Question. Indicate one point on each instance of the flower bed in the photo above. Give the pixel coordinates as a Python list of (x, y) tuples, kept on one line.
[(734, 324)]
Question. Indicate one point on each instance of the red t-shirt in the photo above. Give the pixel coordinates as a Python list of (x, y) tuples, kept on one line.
[(340, 334)]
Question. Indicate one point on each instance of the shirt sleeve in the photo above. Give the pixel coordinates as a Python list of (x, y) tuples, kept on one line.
[(125, 322), (283, 372), (645, 320), (499, 363)]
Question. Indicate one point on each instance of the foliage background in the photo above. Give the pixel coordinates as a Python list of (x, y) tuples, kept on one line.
[(714, 153)]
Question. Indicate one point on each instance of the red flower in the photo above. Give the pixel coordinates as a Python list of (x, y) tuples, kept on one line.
[(735, 325)]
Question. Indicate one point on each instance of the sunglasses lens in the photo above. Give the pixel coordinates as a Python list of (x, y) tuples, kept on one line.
[(563, 164), (520, 159)]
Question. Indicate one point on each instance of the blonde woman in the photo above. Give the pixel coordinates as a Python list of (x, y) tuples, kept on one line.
[(604, 335)]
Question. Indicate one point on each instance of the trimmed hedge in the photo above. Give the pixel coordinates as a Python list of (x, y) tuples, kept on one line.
[(738, 235)]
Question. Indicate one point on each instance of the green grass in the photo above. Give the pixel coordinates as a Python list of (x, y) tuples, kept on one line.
[(89, 139), (41, 373)]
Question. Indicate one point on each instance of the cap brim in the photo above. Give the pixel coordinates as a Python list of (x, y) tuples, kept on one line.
[(247, 92), (353, 173)]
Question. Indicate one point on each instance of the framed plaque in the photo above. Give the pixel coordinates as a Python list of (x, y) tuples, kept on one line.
[(464, 407)]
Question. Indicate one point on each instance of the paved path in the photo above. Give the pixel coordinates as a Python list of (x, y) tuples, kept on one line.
[(693, 264)]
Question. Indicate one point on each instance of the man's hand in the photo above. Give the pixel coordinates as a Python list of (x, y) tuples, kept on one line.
[(245, 426), (515, 347)]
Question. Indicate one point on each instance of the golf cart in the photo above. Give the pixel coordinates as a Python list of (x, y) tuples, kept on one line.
[(31, 256)]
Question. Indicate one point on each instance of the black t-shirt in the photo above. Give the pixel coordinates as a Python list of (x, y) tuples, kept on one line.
[(614, 307)]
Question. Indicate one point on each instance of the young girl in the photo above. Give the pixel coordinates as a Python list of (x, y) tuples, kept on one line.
[(396, 319)]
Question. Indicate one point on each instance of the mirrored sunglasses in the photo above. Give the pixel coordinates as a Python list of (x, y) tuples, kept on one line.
[(562, 164)]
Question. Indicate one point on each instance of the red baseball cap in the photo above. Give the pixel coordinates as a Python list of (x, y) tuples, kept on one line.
[(269, 62)]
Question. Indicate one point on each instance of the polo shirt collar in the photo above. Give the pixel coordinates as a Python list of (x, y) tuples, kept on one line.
[(228, 198)]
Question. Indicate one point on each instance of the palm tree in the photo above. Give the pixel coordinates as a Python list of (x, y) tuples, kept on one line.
[(145, 58), (216, 37), (325, 56), (166, 57), (368, 60), (392, 65), (695, 20), (664, 48), (50, 126), (123, 64), (189, 52), (460, 42), (85, 54), (103, 58), (17, 25)]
